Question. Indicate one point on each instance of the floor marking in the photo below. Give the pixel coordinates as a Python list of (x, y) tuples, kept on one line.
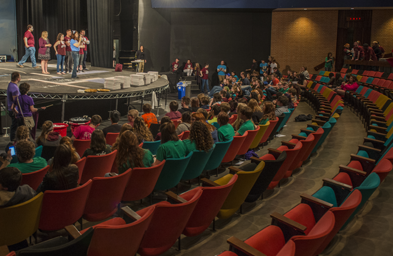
[(47, 75), (64, 84), (15, 70)]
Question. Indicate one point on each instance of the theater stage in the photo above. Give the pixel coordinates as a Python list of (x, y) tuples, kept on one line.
[(62, 91)]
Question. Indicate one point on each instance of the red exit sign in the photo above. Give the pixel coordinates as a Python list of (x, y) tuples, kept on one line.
[(354, 18)]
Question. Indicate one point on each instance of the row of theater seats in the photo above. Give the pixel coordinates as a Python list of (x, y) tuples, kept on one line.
[(98, 198), (309, 227)]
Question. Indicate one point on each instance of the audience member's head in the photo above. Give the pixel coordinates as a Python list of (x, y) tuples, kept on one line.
[(95, 120), (25, 151), (205, 101), (62, 157), (98, 142), (246, 113), (253, 104), (141, 129), (200, 97), (216, 109), (194, 102), (185, 102), (15, 77), (115, 116), (47, 127), (22, 133), (165, 119), (132, 114), (186, 117), (202, 136), (222, 118), (268, 110), (282, 101), (203, 112), (146, 108), (173, 106), (10, 179), (233, 105), (217, 97), (168, 132), (225, 107), (24, 88), (129, 150)]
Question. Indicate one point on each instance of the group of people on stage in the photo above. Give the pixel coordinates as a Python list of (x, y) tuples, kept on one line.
[(71, 51)]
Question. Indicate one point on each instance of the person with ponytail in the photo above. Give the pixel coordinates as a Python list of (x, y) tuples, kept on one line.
[(130, 155), (200, 138), (171, 146), (63, 175), (48, 137)]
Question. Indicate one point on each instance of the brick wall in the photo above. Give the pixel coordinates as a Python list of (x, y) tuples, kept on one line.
[(303, 38), (382, 28)]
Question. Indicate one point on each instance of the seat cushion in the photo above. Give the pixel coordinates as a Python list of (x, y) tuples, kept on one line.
[(269, 240), (326, 194), (343, 177), (303, 214)]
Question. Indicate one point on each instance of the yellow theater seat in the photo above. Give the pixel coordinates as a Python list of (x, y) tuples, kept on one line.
[(20, 221), (240, 190), (258, 137)]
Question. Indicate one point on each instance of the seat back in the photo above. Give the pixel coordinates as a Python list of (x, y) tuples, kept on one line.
[(280, 120), (232, 119), (269, 130), (38, 151), (258, 137), (152, 146), (64, 207), (317, 136), (341, 215), (34, 179), (309, 244), (217, 155), (286, 118), (327, 127), (383, 168), (172, 172), (48, 152), (266, 176), (176, 122), (185, 135), (120, 239), (81, 146), (240, 190), (141, 182), (100, 204), (161, 235), (232, 151), (77, 247), (111, 138), (306, 150), (298, 149), (197, 163), (81, 166), (180, 136), (207, 208), (20, 221), (97, 166), (247, 142)]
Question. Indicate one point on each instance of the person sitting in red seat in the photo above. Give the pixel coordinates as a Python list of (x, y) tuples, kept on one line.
[(84, 132), (173, 114)]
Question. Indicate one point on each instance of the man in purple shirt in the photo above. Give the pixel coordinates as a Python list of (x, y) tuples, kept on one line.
[(12, 93)]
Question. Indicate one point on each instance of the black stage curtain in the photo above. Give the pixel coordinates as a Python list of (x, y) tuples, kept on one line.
[(100, 20)]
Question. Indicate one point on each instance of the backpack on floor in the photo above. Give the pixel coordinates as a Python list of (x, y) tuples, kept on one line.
[(119, 68)]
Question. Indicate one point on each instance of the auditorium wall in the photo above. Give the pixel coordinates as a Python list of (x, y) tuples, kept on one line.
[(382, 28), (8, 28), (303, 38)]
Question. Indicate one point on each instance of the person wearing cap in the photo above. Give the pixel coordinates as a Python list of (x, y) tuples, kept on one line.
[(221, 69), (48, 136)]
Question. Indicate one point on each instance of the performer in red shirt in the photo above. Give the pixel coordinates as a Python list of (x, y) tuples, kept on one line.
[(86, 41), (68, 62), (28, 39), (205, 78), (175, 66)]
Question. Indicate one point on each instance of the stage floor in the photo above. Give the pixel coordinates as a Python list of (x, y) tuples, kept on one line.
[(63, 84)]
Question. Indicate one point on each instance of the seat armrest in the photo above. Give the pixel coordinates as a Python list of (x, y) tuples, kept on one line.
[(130, 213), (377, 114), (209, 183), (373, 153), (73, 232), (344, 168), (314, 200), (322, 117), (234, 170), (175, 198), (367, 163), (378, 117), (238, 244), (294, 136), (313, 126), (378, 122), (276, 153), (337, 183), (307, 131), (288, 144), (319, 122), (376, 143), (324, 113), (368, 148), (288, 222), (255, 160), (378, 128)]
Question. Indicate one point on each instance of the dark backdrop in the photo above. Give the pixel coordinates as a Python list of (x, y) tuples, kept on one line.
[(209, 36)]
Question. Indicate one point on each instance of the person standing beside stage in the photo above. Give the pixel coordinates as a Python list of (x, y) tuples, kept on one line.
[(12, 93), (75, 47), (205, 78), (221, 69), (60, 48), (140, 55), (68, 57), (44, 51), (28, 39), (86, 41), (81, 53)]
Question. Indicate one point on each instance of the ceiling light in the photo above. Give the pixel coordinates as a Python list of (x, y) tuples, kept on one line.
[(352, 8), (305, 9)]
